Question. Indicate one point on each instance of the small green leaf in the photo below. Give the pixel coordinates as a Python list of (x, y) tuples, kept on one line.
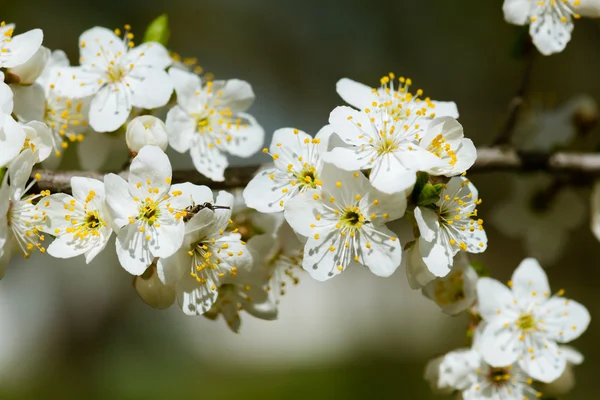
[(2, 172), (422, 179), (158, 30), (480, 268), (430, 194)]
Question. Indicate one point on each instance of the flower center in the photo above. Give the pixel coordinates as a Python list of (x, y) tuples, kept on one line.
[(116, 73), (149, 212), (526, 322), (499, 376), (351, 218), (441, 149), (308, 177), (92, 221), (386, 145)]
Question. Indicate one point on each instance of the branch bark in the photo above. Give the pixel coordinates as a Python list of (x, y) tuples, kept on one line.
[(579, 168)]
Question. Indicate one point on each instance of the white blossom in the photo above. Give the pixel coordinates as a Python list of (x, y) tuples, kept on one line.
[(525, 324), (66, 117), (209, 255), (298, 165), (147, 212), (17, 50), (449, 226), (80, 223), (118, 75), (395, 99), (209, 121), (345, 225), (535, 214), (38, 138), (23, 223), (550, 21), (146, 130), (387, 145)]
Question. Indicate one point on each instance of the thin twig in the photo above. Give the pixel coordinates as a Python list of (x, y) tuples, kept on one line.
[(515, 104), (577, 168)]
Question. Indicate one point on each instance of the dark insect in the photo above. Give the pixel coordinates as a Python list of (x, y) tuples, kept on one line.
[(194, 209)]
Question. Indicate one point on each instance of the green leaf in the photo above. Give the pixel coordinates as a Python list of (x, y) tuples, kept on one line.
[(158, 30), (430, 194), (2, 172), (480, 268), (422, 179)]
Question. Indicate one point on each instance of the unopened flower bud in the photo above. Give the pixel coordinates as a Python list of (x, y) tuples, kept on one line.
[(146, 131), (152, 291), (26, 74)]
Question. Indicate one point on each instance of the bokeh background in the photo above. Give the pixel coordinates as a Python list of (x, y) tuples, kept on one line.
[(68, 330)]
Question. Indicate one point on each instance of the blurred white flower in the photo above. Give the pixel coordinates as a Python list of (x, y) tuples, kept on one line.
[(547, 129), (17, 50), (146, 211), (449, 227), (535, 214), (345, 225), (525, 324), (80, 222), (457, 291), (550, 21), (209, 120), (146, 130), (66, 117), (118, 76), (298, 165)]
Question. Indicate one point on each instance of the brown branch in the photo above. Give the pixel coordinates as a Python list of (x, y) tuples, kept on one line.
[(578, 168)]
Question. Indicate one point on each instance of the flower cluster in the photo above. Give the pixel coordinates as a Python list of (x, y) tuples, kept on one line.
[(518, 339), (327, 202)]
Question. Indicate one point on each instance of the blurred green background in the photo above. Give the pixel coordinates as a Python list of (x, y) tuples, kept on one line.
[(68, 330)]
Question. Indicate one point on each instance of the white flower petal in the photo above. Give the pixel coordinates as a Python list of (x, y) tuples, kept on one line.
[(265, 194), (150, 174), (149, 54), (180, 128), (110, 108), (380, 250), (132, 250), (428, 222), (167, 239), (389, 175), (321, 263), (354, 93), (197, 194), (247, 140), (500, 346), (100, 46), (417, 273), (346, 121), (21, 48), (544, 363), (195, 298), (494, 296), (349, 158), (234, 94), (530, 281), (550, 35), (301, 212), (188, 87), (517, 11), (564, 320), (20, 171), (29, 102), (445, 108), (150, 87), (120, 205), (436, 256), (209, 161), (172, 269), (12, 138), (67, 246)]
